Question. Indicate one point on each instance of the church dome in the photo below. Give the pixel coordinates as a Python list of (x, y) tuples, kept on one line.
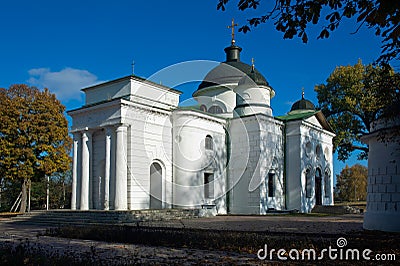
[(303, 104), (231, 71), (247, 81)]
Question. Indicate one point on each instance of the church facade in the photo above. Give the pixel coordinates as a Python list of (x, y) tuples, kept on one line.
[(135, 148)]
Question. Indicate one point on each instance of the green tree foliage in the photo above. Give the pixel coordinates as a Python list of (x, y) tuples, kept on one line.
[(59, 192), (352, 98), (9, 192), (34, 140), (294, 17), (352, 183)]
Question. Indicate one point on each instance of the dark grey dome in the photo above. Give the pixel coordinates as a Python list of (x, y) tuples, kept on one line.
[(303, 104), (232, 71), (247, 81)]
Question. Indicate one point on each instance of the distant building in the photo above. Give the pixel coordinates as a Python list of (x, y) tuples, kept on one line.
[(135, 148)]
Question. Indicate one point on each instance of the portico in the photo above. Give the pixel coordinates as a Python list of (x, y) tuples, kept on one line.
[(106, 148), (115, 171)]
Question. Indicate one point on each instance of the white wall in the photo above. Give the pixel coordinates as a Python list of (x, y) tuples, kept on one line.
[(149, 141), (302, 140), (256, 147), (383, 197), (192, 160)]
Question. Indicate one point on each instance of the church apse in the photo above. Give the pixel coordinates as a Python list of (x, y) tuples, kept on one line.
[(199, 160)]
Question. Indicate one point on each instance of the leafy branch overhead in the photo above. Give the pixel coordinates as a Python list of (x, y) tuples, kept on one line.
[(293, 17)]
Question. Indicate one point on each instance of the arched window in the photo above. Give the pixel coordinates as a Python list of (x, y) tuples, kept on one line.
[(215, 110), (209, 145), (155, 186), (318, 151), (327, 183), (318, 173), (308, 183), (318, 190), (327, 154), (308, 148)]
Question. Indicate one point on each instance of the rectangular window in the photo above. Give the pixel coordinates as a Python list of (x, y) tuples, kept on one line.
[(208, 185), (271, 189)]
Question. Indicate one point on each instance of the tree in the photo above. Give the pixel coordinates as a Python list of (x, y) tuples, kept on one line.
[(352, 98), (59, 191), (34, 140), (294, 17), (352, 183)]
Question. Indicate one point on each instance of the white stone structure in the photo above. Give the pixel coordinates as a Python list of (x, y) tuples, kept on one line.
[(135, 148), (383, 197)]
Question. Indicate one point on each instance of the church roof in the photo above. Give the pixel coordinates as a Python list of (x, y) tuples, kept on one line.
[(232, 71), (297, 115), (305, 114), (132, 77)]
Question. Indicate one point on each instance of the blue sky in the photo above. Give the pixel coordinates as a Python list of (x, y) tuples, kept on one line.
[(67, 45)]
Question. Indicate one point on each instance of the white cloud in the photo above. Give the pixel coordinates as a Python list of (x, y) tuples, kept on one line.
[(65, 84)]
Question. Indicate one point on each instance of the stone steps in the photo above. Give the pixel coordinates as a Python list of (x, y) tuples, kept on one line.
[(68, 217)]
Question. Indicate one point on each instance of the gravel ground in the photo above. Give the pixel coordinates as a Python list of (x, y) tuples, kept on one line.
[(31, 238)]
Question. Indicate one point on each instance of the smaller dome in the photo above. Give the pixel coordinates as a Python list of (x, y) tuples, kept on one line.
[(303, 104)]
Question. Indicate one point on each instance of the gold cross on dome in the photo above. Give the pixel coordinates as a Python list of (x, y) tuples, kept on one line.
[(302, 92), (232, 26)]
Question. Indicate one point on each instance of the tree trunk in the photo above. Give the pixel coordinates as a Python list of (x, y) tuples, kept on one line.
[(24, 196)]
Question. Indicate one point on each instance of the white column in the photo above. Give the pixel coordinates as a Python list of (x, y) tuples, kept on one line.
[(107, 170), (74, 171), (85, 171), (121, 171)]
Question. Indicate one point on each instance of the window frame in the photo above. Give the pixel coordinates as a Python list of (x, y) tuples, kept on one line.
[(209, 143), (208, 181), (271, 184), (327, 183)]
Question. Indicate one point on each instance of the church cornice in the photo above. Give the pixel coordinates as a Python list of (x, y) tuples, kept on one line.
[(133, 77), (312, 126), (226, 87), (119, 101), (262, 117), (146, 108), (199, 114), (309, 125), (100, 105)]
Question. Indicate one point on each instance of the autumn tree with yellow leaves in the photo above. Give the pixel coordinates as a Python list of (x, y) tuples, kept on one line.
[(352, 183), (34, 140)]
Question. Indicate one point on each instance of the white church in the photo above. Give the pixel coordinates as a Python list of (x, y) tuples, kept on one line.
[(135, 148)]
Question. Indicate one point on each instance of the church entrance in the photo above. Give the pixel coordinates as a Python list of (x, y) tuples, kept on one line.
[(318, 190), (155, 186)]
